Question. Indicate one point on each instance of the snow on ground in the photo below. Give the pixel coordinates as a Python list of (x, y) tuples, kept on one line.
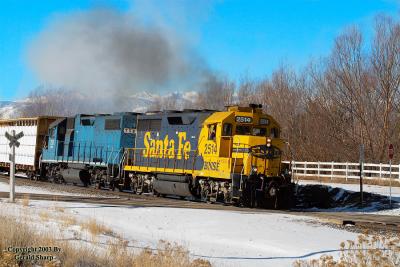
[(375, 189), (226, 238), (5, 187)]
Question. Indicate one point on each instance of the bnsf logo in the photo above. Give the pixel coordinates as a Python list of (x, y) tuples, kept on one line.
[(211, 166), (166, 148)]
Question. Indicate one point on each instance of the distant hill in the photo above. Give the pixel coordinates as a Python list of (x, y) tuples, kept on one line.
[(8, 109), (5, 103), (140, 102)]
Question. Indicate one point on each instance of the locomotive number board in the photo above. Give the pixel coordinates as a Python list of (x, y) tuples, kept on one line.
[(243, 119)]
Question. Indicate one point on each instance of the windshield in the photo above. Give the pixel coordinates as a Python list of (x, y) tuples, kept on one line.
[(248, 130), (263, 151), (257, 131), (243, 130)]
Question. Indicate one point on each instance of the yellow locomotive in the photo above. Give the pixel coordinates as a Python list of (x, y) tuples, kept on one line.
[(232, 156)]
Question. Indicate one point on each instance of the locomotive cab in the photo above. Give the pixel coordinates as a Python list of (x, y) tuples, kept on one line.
[(243, 144)]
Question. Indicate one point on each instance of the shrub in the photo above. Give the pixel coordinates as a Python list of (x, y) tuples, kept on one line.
[(367, 250)]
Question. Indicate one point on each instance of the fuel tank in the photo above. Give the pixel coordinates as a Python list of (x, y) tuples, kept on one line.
[(172, 185), (76, 174)]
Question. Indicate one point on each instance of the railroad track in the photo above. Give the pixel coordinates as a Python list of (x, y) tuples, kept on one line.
[(114, 198)]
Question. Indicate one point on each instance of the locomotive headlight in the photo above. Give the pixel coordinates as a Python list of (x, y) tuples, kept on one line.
[(268, 142)]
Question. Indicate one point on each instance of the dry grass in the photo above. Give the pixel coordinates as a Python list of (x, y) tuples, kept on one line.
[(17, 233), (368, 250), (59, 209), (67, 220), (382, 182), (96, 228), (44, 216), (25, 201)]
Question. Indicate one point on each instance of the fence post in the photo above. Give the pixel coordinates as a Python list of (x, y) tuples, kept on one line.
[(347, 171), (318, 169), (332, 171), (380, 170), (293, 170), (399, 171), (305, 168)]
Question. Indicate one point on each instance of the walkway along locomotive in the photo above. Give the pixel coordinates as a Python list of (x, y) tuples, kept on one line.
[(232, 156)]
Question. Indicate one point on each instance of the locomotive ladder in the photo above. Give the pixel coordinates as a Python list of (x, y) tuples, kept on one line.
[(242, 170), (121, 170)]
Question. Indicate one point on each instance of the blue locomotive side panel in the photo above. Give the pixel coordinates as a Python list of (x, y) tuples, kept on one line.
[(168, 140), (97, 140)]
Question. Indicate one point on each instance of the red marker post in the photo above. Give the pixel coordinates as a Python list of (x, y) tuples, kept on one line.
[(390, 154)]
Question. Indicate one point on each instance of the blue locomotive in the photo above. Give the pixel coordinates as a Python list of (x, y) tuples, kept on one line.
[(88, 149)]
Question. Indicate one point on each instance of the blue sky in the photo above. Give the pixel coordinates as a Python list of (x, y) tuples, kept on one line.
[(235, 37)]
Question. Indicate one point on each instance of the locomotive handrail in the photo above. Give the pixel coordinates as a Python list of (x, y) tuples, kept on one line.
[(81, 152)]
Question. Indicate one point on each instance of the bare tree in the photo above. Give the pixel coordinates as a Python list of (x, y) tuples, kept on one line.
[(216, 95), (51, 102), (385, 60), (246, 91)]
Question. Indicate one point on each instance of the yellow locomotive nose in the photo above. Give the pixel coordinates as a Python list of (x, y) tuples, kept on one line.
[(257, 153)]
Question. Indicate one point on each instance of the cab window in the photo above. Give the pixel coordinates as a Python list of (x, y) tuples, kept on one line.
[(227, 129), (212, 132), (259, 131), (243, 130)]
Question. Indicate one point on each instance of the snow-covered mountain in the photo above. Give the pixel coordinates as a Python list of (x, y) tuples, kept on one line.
[(8, 109), (139, 102), (145, 101), (5, 103)]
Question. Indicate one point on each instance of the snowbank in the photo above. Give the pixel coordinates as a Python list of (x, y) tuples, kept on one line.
[(377, 207)]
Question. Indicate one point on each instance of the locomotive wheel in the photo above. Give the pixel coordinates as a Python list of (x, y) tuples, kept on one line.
[(269, 199)]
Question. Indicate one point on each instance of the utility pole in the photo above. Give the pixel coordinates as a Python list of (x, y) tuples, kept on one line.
[(13, 143)]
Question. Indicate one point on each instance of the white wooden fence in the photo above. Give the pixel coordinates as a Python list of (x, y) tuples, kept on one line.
[(343, 170)]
